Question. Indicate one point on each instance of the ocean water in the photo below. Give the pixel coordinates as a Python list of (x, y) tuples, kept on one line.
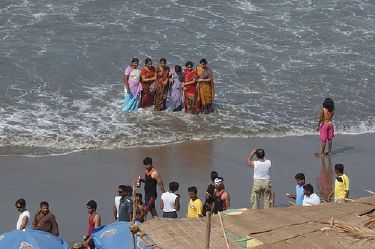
[(62, 62)]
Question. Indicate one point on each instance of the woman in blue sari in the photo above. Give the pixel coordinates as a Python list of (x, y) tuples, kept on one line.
[(132, 86)]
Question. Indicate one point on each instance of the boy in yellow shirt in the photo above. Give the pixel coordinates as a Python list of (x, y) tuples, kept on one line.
[(341, 191), (195, 204)]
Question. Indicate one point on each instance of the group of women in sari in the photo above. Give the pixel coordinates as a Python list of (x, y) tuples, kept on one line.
[(189, 88)]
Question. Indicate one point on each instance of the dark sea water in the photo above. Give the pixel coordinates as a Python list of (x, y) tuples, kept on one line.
[(61, 66)]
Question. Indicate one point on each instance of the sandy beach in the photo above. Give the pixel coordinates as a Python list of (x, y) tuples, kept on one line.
[(67, 182)]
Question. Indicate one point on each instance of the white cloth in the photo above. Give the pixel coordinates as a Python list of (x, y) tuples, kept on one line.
[(19, 222), (262, 170), (117, 204), (169, 200), (311, 200)]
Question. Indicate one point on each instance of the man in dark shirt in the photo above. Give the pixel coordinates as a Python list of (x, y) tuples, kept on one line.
[(152, 178), (126, 204), (45, 220)]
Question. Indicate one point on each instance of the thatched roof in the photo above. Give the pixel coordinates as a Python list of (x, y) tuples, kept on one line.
[(294, 227)]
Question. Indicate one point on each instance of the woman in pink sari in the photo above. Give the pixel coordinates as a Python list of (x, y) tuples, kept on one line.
[(132, 86), (190, 84)]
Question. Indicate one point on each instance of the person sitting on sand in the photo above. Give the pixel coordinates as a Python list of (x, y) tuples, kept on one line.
[(299, 195), (44, 220), (341, 191), (325, 126), (195, 204), (310, 198)]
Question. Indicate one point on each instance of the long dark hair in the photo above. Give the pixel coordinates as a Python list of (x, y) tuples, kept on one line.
[(328, 104), (179, 73)]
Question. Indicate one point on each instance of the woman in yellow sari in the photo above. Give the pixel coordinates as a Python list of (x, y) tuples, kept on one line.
[(205, 87)]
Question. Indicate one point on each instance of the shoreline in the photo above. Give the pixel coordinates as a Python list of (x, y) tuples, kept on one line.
[(68, 181)]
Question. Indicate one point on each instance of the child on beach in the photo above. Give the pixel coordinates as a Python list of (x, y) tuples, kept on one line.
[(325, 126), (195, 204), (170, 201), (139, 208)]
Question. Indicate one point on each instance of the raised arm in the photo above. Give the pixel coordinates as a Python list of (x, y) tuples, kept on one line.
[(250, 160)]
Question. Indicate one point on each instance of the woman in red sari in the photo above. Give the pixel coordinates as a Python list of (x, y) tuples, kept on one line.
[(190, 90), (162, 80), (148, 76)]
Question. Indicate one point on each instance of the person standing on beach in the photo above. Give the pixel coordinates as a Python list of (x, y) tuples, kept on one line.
[(195, 205), (94, 220), (209, 202), (262, 179), (126, 203), (342, 183), (299, 195), (221, 196), (152, 178), (116, 204), (140, 208), (24, 217), (310, 198), (44, 220), (170, 201), (325, 126)]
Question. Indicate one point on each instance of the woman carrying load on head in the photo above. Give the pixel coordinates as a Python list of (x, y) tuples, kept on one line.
[(162, 83), (148, 77), (177, 89), (190, 90), (205, 87), (132, 86)]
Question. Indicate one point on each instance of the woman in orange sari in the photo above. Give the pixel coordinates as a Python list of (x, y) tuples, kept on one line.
[(162, 80), (148, 76), (205, 87), (190, 83)]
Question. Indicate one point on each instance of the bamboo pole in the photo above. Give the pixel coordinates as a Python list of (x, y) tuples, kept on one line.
[(222, 228), (208, 229), (133, 216)]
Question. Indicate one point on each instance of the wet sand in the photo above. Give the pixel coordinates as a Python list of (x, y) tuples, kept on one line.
[(67, 182)]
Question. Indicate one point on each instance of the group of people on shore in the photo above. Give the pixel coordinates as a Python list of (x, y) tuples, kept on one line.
[(304, 194), (190, 88), (217, 198)]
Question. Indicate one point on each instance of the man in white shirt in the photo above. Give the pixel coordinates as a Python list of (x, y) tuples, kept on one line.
[(24, 218), (310, 198), (262, 180)]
